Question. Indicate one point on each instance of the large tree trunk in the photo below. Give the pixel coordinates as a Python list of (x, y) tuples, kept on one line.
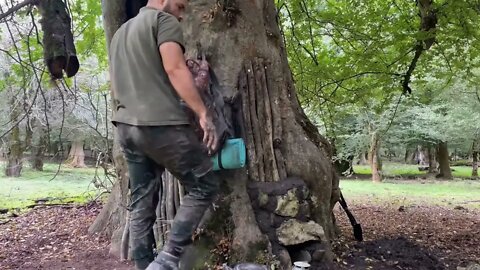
[(112, 219), (443, 161), (244, 47), (15, 147), (374, 158), (76, 156)]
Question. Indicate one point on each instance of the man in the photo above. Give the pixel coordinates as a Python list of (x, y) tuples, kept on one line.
[(150, 76)]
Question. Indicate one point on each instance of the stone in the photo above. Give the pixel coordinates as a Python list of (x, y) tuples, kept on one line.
[(472, 266), (293, 232), (262, 199), (318, 255), (284, 257), (288, 204)]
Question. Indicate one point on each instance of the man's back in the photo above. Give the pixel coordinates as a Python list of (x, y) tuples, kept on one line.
[(143, 93)]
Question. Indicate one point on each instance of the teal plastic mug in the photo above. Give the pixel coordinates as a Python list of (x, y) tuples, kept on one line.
[(232, 156)]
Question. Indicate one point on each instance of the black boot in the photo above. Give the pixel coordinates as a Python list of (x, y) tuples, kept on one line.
[(164, 261)]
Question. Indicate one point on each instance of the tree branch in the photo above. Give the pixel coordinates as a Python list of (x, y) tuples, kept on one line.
[(17, 7), (407, 78), (428, 24)]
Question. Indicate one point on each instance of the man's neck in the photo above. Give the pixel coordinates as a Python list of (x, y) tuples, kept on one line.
[(154, 4)]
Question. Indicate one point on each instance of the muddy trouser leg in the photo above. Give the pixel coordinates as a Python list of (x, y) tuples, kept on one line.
[(190, 213), (180, 152), (144, 186)]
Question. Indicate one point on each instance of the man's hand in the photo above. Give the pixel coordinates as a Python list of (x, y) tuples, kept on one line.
[(209, 133)]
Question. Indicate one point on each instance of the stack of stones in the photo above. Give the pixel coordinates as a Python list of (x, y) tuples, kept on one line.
[(282, 211)]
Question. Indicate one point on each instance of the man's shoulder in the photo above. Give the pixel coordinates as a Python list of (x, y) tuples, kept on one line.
[(165, 18)]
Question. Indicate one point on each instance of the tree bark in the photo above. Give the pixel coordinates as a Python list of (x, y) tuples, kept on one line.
[(443, 161), (432, 163), (374, 158), (38, 150), (245, 49), (76, 156), (475, 154), (410, 156), (363, 159), (421, 157), (15, 146)]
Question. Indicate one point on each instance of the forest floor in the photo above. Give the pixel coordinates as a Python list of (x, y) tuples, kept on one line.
[(411, 224), (412, 237)]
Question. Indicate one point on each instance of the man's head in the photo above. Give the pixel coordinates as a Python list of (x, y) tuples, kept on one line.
[(174, 7)]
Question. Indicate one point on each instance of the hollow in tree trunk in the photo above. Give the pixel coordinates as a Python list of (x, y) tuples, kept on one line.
[(244, 47), (374, 158), (76, 156), (443, 161)]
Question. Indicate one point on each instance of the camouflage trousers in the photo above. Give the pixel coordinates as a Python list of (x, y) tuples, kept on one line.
[(149, 150)]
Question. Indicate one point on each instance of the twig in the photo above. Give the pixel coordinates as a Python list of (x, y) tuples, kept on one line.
[(61, 127), (18, 7), (63, 205)]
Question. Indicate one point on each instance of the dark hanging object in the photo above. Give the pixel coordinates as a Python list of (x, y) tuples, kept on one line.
[(59, 49), (357, 228)]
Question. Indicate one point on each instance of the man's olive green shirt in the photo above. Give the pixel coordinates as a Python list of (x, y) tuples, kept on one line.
[(143, 93)]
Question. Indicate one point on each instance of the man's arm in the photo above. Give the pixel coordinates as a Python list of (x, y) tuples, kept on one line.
[(182, 80), (180, 76)]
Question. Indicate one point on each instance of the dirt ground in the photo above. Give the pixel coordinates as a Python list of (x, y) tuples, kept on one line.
[(416, 237), (55, 238), (406, 238)]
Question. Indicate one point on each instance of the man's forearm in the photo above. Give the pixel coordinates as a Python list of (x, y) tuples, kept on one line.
[(182, 81)]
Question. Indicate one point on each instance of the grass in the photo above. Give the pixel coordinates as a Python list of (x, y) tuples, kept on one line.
[(69, 185), (397, 169), (445, 193), (74, 185)]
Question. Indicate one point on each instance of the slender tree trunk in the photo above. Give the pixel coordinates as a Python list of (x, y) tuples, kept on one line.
[(475, 154), (256, 77), (432, 163), (15, 148), (443, 161), (76, 156), (374, 158)]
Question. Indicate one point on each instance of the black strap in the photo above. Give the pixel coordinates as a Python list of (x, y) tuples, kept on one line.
[(220, 165)]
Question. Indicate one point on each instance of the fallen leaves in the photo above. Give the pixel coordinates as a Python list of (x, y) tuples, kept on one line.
[(414, 237), (55, 238)]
